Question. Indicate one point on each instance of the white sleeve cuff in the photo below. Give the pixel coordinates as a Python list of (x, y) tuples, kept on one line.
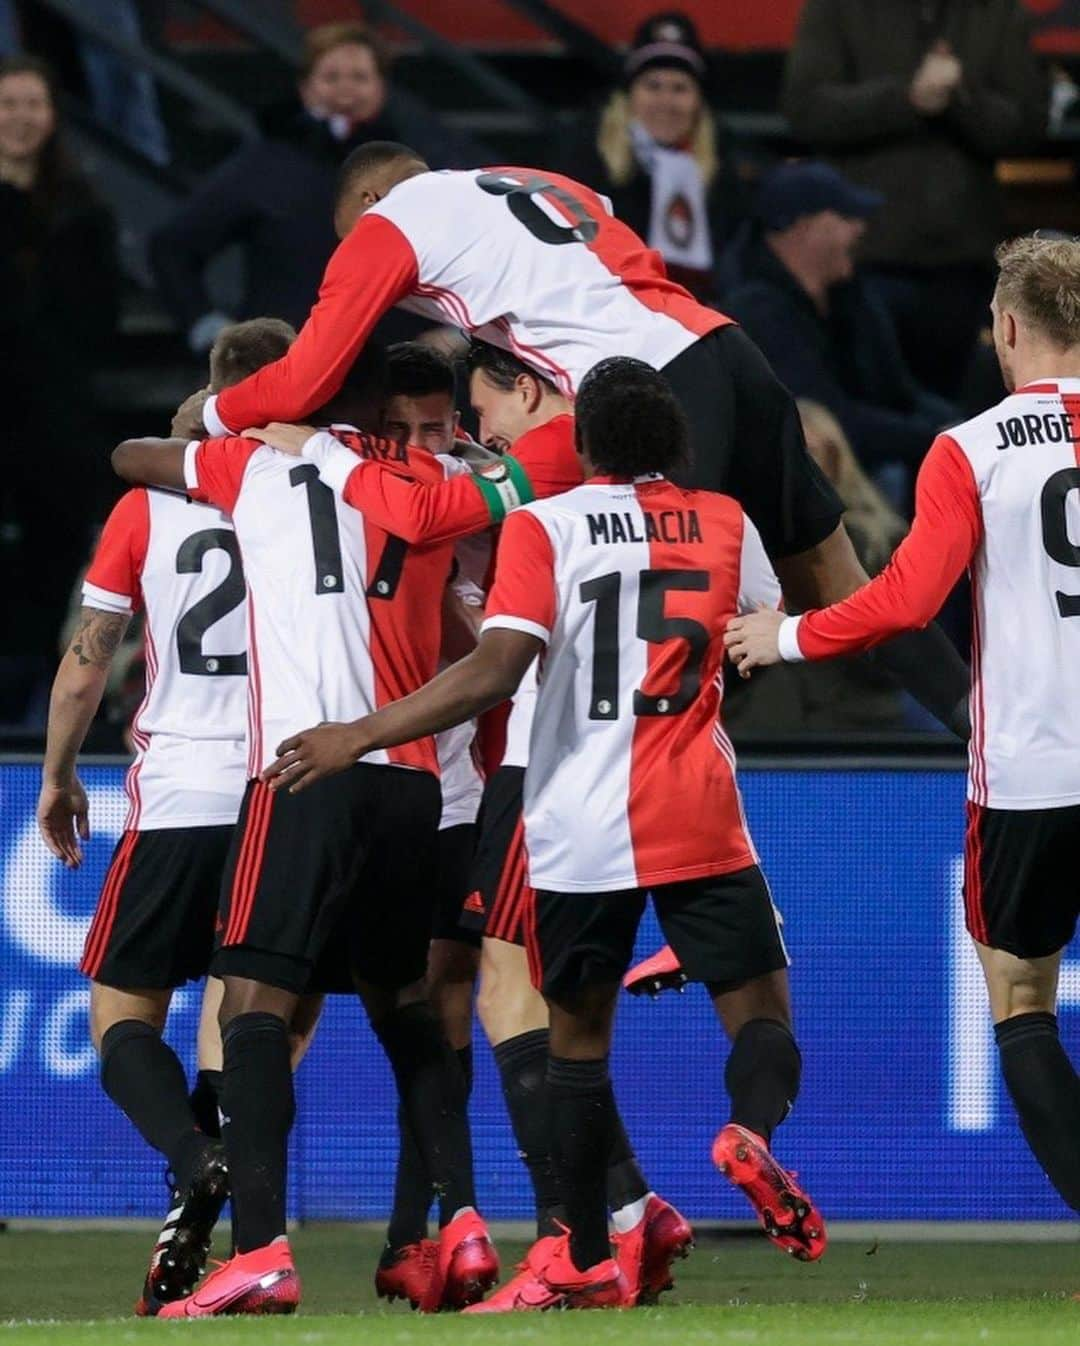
[(335, 462), (503, 621), (788, 641), (211, 419), (191, 474), (95, 597)]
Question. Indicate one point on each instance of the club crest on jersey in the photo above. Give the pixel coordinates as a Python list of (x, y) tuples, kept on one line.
[(670, 525)]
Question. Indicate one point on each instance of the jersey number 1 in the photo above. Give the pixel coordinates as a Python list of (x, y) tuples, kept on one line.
[(652, 626)]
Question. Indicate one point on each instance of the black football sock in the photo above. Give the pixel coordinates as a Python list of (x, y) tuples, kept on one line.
[(522, 1063), (465, 1061), (762, 1075), (144, 1078), (626, 1185), (432, 1093), (1045, 1090), (584, 1122), (413, 1190), (258, 1107), (205, 1099)]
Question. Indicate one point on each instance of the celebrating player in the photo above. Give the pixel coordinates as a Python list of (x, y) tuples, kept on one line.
[(625, 584), (520, 411), (341, 615), (154, 925), (420, 413), (1000, 495), (536, 264)]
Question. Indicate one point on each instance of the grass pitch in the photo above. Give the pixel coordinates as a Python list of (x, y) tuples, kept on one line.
[(78, 1287)]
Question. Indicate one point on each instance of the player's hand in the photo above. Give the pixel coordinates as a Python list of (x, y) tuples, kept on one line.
[(63, 816), (188, 421), (289, 439), (308, 757), (754, 641)]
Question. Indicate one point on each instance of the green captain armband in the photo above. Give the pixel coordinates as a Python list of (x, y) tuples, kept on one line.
[(504, 485)]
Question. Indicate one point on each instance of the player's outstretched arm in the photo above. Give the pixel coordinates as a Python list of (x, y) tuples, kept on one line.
[(151, 462), (76, 694), (476, 683), (904, 597)]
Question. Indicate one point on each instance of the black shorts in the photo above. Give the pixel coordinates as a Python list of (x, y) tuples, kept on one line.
[(1021, 893), (746, 440), (498, 890), (339, 876), (154, 924), (456, 848), (724, 930)]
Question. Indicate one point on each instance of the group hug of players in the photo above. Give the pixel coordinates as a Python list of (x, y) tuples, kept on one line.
[(306, 813)]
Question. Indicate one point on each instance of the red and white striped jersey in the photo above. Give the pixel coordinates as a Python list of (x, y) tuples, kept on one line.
[(631, 779), (459, 775), (180, 562), (999, 494), (342, 617), (527, 260)]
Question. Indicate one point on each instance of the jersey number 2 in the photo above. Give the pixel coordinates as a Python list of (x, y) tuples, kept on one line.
[(229, 594), (1055, 526), (653, 627)]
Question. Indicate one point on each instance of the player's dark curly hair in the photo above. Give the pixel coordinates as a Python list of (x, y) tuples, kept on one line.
[(416, 370), (628, 421), (500, 367)]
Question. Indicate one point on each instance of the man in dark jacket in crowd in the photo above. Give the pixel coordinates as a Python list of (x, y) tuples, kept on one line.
[(916, 99), (275, 196), (827, 337)]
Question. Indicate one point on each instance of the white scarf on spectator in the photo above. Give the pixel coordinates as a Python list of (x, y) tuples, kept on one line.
[(678, 219)]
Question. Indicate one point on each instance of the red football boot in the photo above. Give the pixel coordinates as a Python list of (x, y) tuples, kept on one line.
[(787, 1214), (602, 1286), (661, 972), (261, 1281), (405, 1273), (646, 1252), (526, 1291), (467, 1265)]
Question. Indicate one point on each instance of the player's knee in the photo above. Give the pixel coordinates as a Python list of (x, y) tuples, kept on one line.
[(243, 996), (109, 1007), (1019, 985)]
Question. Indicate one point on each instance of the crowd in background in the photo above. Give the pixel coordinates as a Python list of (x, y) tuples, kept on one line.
[(863, 269)]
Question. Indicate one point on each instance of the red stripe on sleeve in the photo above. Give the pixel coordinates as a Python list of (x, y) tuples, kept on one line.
[(911, 589)]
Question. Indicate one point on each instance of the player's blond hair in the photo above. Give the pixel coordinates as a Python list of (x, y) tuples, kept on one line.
[(617, 151), (1039, 278)]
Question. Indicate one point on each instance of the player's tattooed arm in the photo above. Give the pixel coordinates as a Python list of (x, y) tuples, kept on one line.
[(474, 684), (151, 462), (97, 636), (77, 691)]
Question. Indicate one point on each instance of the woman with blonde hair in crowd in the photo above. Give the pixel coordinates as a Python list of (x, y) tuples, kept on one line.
[(654, 151)]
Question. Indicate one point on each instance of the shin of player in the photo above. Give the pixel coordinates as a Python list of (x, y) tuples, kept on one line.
[(1000, 497), (627, 584)]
